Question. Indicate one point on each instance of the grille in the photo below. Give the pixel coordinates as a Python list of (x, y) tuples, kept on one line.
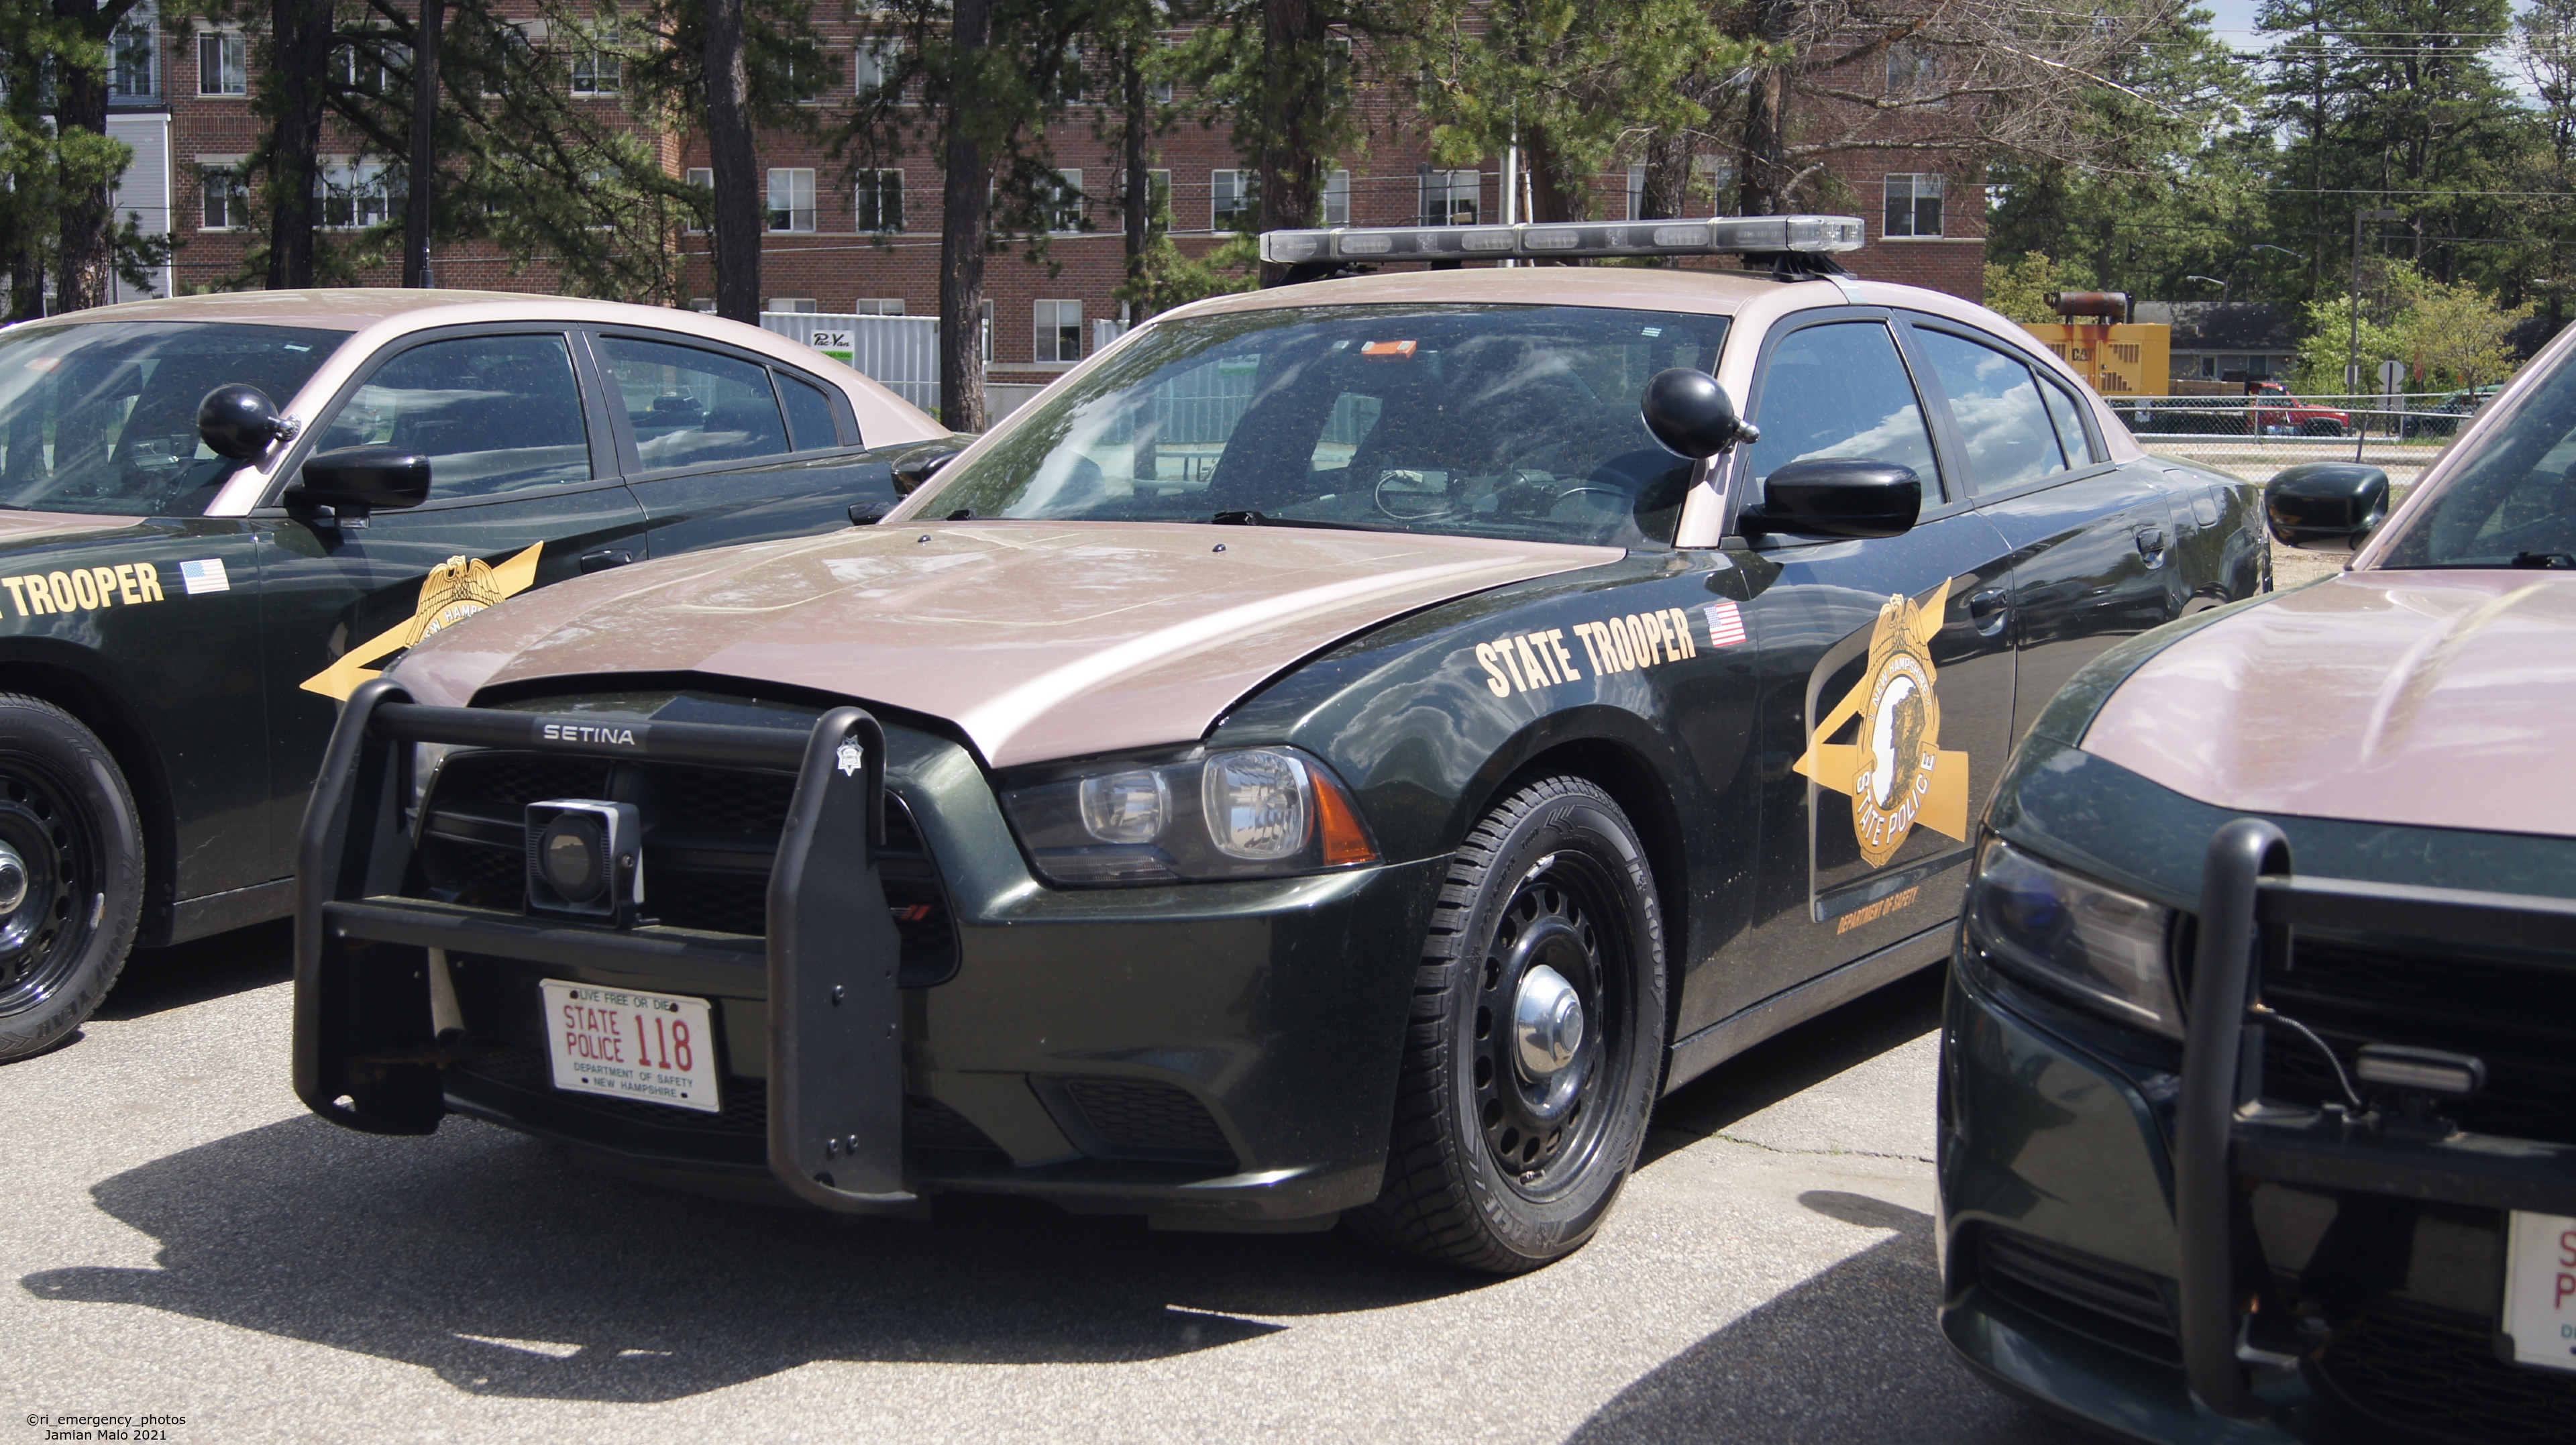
[(2113, 1304), (2519, 1017), (2439, 1375), (1147, 1116), (927, 1123), (710, 835)]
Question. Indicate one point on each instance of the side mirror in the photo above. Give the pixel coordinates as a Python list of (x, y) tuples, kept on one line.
[(239, 422), (362, 479), (1837, 498), (2326, 506), (914, 468), (1688, 413)]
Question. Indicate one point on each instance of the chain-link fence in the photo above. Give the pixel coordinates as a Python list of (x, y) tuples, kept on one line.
[(2255, 436)]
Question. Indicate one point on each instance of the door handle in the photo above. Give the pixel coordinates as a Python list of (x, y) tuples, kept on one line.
[(1988, 609), (603, 559)]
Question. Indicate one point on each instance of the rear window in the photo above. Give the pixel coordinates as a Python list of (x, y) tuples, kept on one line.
[(1493, 421)]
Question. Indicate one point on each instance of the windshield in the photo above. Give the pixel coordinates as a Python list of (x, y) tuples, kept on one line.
[(2513, 504), (1484, 421), (102, 416)]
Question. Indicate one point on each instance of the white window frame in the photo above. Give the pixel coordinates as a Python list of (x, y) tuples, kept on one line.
[(698, 176), (869, 184), (1914, 188), (364, 187), (232, 63), (798, 183), (871, 63), (1048, 329), (234, 191), (1337, 198), (1065, 212), (1231, 193), (987, 328), (793, 305), (139, 33), (877, 306), (598, 66), (1446, 193)]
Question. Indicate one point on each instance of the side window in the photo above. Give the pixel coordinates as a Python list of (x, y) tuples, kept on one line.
[(2069, 416), (690, 407), (809, 414), (1841, 390), (492, 414), (2009, 437)]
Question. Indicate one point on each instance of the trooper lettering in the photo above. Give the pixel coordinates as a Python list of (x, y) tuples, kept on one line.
[(86, 589)]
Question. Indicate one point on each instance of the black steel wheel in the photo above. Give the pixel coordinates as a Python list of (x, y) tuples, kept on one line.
[(1536, 1038), (71, 874)]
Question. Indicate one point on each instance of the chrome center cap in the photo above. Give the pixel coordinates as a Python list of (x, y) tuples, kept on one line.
[(1547, 1022), (13, 879)]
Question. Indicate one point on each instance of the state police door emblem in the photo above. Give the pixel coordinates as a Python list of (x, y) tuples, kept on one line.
[(1895, 770)]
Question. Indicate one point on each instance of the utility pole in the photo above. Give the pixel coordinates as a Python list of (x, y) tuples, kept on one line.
[(424, 146), (2352, 354)]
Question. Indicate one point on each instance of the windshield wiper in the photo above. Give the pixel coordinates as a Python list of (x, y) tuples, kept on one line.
[(1250, 518)]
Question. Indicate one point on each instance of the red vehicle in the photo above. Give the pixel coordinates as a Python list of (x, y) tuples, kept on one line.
[(2296, 416)]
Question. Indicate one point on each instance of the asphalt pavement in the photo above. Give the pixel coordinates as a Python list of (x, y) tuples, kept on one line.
[(188, 1242)]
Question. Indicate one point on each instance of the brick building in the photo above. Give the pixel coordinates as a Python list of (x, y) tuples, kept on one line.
[(842, 239)]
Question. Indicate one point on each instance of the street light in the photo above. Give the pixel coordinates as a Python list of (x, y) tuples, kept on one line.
[(2225, 288), (2284, 250), (2352, 354)]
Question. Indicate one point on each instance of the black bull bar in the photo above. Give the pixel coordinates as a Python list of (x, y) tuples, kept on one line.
[(2251, 907), (366, 1052)]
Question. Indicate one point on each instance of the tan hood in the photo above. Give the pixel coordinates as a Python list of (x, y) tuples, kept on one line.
[(1042, 640), (2440, 699)]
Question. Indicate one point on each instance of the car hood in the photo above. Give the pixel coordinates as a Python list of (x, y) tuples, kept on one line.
[(2437, 699), (1041, 640)]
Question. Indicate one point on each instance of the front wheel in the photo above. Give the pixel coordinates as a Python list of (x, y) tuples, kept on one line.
[(1535, 1042), (71, 874)]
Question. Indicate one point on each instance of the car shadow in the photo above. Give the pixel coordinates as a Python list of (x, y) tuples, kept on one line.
[(484, 1257), (1794, 1061), (158, 979), (1848, 1355)]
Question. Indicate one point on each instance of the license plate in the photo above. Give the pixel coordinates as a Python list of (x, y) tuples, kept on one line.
[(650, 1047), (2540, 1289)]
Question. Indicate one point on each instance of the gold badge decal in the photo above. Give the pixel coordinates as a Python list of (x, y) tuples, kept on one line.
[(453, 591), (1896, 771)]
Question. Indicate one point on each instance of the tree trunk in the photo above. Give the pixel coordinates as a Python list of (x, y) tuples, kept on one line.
[(85, 269), (1293, 83), (738, 202), (1138, 203), (1668, 163), (424, 144), (302, 43), (965, 215), (1763, 186)]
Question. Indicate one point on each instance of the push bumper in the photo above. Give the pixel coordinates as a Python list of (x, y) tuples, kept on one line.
[(1212, 1055)]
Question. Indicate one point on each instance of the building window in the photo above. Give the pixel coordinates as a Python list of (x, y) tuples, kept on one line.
[(1450, 198), (1913, 205), (805, 79), (353, 197), (705, 304), (877, 306), (597, 67), (1913, 70), (1337, 198), (226, 205), (1234, 199), (1636, 193), (791, 200), (1062, 210), (794, 305), (1058, 327), (221, 58), (873, 64), (704, 179), (880, 200), (133, 53), (985, 326)]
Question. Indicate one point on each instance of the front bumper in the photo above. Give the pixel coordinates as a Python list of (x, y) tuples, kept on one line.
[(2062, 1262), (1212, 1055)]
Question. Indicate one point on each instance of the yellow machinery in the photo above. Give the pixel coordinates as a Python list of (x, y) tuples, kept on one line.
[(2119, 357)]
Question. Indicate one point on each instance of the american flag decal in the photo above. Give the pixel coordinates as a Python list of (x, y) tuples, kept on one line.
[(1725, 624)]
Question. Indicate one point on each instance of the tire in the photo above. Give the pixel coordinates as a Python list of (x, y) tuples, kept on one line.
[(1492, 1166), (69, 821), (2321, 427)]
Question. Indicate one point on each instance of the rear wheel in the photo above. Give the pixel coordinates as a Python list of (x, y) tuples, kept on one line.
[(71, 874), (1536, 1038)]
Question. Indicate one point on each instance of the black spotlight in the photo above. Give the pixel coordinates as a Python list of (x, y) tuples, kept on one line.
[(585, 859)]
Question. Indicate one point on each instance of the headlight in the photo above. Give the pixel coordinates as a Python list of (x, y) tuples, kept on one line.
[(1240, 813), (2069, 934)]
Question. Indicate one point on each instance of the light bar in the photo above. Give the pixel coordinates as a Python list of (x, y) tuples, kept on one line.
[(1557, 240)]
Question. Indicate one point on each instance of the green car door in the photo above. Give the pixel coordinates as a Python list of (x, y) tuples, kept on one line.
[(524, 491)]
